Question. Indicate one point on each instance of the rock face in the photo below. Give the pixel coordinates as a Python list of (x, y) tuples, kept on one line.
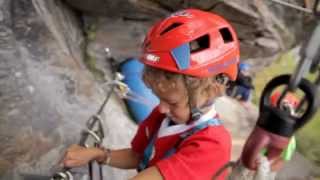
[(238, 119), (264, 27), (46, 93)]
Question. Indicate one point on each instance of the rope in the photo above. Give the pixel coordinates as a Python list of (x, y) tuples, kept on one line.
[(230, 164), (94, 121), (240, 172)]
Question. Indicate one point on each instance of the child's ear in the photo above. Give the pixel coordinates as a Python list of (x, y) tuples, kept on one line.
[(222, 79), (218, 90)]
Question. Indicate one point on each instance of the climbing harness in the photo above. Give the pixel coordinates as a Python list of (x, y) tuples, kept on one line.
[(149, 149)]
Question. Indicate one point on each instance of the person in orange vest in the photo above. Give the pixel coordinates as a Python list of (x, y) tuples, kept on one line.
[(188, 57)]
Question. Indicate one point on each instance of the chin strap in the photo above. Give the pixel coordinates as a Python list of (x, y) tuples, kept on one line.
[(196, 112)]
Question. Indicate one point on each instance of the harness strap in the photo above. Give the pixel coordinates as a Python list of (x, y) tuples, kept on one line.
[(148, 150), (147, 154)]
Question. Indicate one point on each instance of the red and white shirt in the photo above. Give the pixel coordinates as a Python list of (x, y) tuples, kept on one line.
[(198, 157)]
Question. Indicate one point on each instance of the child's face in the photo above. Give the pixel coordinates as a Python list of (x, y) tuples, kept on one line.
[(173, 101)]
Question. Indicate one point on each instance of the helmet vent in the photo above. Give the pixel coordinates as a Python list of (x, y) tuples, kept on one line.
[(199, 44), (171, 27), (226, 35)]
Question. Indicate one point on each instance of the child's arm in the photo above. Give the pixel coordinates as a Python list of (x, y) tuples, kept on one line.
[(128, 159), (124, 159), (78, 156), (149, 173)]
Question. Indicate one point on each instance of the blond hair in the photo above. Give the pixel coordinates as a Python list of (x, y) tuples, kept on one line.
[(199, 90)]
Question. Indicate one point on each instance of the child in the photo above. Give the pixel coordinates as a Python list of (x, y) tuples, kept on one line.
[(188, 58)]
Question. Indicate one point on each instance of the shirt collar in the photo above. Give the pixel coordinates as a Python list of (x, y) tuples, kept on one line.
[(166, 130)]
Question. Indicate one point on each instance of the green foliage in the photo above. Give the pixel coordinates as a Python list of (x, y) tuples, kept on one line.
[(90, 62), (308, 140), (91, 32), (284, 65)]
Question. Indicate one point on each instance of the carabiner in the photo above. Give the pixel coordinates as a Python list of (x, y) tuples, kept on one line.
[(93, 134), (66, 175), (96, 119)]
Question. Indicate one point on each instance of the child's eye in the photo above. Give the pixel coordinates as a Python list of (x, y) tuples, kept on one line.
[(174, 104)]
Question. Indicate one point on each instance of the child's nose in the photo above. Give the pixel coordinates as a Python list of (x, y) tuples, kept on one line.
[(163, 107)]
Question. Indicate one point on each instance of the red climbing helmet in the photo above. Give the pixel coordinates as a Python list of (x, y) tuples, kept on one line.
[(193, 42)]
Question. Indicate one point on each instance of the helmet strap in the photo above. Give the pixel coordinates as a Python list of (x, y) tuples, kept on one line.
[(195, 112)]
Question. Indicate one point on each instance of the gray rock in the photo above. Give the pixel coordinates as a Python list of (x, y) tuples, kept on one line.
[(252, 19), (269, 43), (238, 119), (298, 168), (46, 93), (123, 38)]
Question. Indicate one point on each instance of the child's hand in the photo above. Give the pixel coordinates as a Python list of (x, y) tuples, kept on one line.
[(78, 156)]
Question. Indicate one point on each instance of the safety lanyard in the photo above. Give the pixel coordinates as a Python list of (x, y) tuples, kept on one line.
[(148, 150)]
